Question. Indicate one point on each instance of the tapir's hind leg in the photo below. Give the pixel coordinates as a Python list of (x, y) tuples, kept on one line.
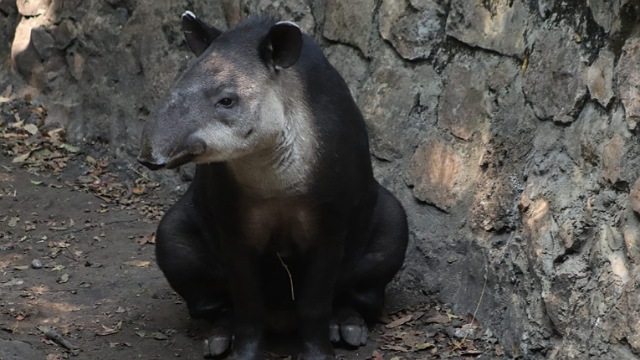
[(361, 298)]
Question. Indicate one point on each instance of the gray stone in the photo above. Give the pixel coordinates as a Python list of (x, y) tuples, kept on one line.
[(387, 100), (24, 56), (629, 81), (350, 22), (298, 11), (600, 78), (8, 6), (497, 25), (606, 13), (36, 264), (612, 157), (436, 172), (64, 34), (349, 64), (634, 197), (442, 171), (18, 350), (553, 80), (414, 34), (43, 42), (32, 7), (463, 108)]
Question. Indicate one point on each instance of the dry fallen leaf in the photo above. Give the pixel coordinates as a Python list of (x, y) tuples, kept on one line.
[(395, 348), (138, 263), (31, 129), (437, 318), (63, 279), (21, 158), (425, 346), (110, 331), (403, 320), (150, 239), (159, 336)]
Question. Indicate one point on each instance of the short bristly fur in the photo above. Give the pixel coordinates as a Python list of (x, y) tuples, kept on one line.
[(283, 224)]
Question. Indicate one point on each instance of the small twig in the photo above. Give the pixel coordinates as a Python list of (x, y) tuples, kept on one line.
[(140, 173), (72, 257), (58, 339), (484, 287), (286, 268), (475, 312)]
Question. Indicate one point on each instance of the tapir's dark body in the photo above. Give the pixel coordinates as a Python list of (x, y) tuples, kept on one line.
[(288, 227)]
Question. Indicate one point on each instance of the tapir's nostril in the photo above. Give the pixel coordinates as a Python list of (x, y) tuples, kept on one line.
[(150, 165)]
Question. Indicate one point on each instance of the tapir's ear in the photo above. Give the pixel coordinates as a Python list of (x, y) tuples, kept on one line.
[(198, 34), (282, 46)]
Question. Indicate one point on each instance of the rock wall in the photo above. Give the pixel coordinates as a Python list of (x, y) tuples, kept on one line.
[(508, 128)]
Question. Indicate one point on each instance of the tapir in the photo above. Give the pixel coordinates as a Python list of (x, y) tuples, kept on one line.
[(284, 226)]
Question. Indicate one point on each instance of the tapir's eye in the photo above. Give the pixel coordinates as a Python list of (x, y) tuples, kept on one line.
[(226, 102)]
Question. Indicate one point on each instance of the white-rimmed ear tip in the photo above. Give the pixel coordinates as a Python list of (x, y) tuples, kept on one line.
[(189, 14), (286, 22)]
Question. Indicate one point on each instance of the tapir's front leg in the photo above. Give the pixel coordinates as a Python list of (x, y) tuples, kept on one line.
[(316, 297), (247, 301)]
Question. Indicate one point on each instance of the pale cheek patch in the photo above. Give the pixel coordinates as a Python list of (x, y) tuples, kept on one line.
[(222, 144)]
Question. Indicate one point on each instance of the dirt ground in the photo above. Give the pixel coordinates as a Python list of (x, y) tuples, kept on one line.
[(78, 277)]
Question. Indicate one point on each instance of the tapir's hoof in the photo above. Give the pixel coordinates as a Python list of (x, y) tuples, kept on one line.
[(216, 346), (219, 342), (348, 326)]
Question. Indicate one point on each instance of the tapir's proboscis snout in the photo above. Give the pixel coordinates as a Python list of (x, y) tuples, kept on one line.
[(283, 218), (177, 156)]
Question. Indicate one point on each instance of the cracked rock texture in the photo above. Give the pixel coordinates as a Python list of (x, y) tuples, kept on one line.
[(508, 129)]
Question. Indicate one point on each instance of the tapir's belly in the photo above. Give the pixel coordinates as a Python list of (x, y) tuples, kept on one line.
[(278, 225)]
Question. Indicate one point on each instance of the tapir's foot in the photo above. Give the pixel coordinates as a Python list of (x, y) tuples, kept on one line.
[(348, 326), (219, 343)]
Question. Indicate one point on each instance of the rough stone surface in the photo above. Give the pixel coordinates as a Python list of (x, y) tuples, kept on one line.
[(414, 29), (463, 108), (350, 65), (410, 92), (553, 81), (497, 25), (18, 350), (629, 80), (600, 78), (534, 223), (634, 197), (298, 11), (350, 22), (606, 13), (33, 7), (437, 173)]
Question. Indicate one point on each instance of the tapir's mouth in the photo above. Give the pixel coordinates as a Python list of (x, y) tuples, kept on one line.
[(179, 159), (195, 147)]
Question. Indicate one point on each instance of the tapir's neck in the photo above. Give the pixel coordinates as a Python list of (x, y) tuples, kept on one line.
[(284, 168)]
